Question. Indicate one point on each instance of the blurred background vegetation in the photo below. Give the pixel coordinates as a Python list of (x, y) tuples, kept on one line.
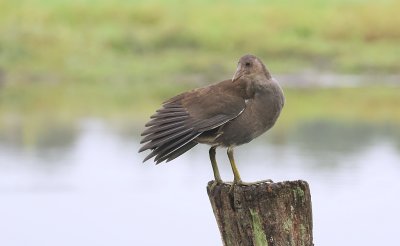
[(79, 78), (63, 60)]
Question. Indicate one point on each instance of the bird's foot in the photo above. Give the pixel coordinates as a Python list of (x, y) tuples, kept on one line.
[(241, 183), (255, 183), (216, 182)]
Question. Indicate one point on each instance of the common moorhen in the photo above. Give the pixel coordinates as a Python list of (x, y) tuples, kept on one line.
[(225, 114)]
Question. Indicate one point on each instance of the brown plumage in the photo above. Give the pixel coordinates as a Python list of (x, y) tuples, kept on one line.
[(227, 114)]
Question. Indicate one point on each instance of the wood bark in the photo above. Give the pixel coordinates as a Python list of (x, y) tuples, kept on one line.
[(273, 214)]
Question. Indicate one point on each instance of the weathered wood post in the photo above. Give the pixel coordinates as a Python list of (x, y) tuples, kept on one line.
[(273, 214)]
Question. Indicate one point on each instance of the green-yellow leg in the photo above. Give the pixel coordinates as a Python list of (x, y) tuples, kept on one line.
[(214, 165), (237, 180), (236, 175)]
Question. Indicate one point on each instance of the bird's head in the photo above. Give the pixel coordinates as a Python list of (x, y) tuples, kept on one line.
[(250, 65)]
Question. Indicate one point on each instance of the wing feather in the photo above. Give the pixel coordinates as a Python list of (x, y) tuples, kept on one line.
[(160, 141), (164, 152), (173, 128), (158, 122), (164, 127), (164, 133), (180, 151)]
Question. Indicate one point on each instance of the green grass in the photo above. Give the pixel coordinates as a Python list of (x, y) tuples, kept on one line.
[(368, 104), (120, 59), (373, 104)]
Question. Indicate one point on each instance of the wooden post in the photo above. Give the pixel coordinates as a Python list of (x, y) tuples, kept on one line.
[(273, 214)]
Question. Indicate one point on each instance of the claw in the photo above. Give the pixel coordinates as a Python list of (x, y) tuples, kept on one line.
[(241, 183), (255, 183), (215, 183)]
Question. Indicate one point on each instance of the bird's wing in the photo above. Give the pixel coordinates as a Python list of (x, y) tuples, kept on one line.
[(172, 129)]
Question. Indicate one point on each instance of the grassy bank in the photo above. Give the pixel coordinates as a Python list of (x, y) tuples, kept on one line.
[(370, 104)]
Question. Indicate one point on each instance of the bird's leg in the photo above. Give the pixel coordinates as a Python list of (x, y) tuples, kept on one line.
[(214, 165), (237, 180), (236, 175)]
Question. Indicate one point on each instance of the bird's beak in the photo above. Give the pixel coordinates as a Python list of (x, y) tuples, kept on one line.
[(238, 73)]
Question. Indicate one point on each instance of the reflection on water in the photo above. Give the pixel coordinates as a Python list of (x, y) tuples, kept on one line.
[(336, 140), (50, 142), (85, 184)]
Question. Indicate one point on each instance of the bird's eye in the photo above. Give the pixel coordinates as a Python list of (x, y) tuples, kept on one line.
[(247, 64)]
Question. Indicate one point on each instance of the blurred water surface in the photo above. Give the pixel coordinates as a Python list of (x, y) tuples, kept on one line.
[(85, 185)]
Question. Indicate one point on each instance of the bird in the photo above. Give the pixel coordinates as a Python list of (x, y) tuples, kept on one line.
[(225, 114)]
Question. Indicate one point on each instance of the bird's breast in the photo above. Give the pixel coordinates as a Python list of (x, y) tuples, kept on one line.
[(260, 114)]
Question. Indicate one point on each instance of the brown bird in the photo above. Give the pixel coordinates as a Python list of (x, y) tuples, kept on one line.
[(225, 114)]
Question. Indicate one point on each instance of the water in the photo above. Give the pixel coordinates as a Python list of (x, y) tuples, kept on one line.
[(86, 185)]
